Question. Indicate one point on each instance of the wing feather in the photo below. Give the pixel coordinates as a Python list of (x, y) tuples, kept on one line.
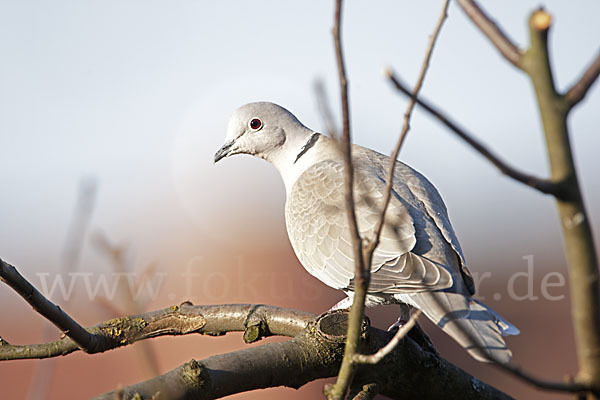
[(318, 228)]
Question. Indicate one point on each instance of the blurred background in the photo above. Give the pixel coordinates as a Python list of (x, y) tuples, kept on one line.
[(110, 112)]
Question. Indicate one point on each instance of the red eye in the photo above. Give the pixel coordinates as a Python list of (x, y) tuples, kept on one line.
[(255, 124)]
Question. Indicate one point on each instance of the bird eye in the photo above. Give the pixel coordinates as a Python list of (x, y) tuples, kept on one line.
[(255, 124)]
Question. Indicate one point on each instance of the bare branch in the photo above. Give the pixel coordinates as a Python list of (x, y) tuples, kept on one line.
[(347, 146), (575, 222), (406, 126), (362, 273), (67, 325), (391, 345), (324, 109), (256, 321), (540, 184), (361, 264), (518, 372), (569, 387), (489, 28), (300, 360), (578, 91)]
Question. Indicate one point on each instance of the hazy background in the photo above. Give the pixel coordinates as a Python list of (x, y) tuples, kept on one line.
[(135, 96)]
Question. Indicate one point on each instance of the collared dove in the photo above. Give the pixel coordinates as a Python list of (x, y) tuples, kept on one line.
[(418, 263)]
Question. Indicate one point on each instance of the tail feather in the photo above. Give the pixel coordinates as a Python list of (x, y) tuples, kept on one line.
[(473, 325)]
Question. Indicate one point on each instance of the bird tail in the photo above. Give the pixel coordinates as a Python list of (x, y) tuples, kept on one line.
[(473, 325)]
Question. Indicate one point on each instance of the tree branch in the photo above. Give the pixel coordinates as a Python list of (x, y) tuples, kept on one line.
[(579, 243), (543, 185), (577, 233), (391, 345), (365, 255), (256, 321), (315, 353), (366, 392), (489, 28), (67, 325), (323, 107), (406, 126), (361, 264), (578, 91)]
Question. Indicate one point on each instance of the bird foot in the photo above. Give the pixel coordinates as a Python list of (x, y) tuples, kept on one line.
[(397, 325)]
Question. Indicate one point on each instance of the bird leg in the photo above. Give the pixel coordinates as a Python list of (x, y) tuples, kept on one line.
[(398, 324), (416, 333), (402, 319)]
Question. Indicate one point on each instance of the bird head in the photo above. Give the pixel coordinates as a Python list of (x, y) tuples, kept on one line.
[(259, 129)]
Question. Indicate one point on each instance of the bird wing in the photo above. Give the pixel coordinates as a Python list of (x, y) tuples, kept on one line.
[(319, 231), (406, 179)]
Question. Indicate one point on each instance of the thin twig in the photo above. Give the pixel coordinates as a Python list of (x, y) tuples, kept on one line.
[(489, 28), (391, 345), (518, 372), (324, 109), (578, 91), (569, 387), (406, 126), (543, 185), (67, 325), (361, 265), (347, 144)]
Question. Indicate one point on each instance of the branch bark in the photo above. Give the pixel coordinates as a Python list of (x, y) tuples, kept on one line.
[(256, 321), (315, 353), (577, 234)]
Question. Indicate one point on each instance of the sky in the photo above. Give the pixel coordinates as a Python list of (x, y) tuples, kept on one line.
[(135, 96)]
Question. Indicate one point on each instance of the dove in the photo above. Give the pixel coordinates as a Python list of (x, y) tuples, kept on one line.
[(418, 263)]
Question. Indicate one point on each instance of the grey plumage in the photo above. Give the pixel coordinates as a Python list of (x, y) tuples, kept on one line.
[(419, 260)]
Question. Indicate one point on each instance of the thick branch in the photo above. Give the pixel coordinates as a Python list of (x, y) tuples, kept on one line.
[(577, 233), (579, 242), (256, 321), (578, 91), (406, 373), (489, 28), (542, 185)]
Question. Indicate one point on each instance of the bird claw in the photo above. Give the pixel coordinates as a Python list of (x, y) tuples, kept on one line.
[(397, 325)]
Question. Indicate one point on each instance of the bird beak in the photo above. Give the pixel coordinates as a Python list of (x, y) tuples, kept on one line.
[(224, 151)]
